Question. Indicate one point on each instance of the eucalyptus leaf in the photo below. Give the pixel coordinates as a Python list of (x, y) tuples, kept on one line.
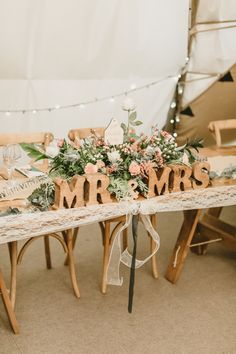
[(123, 126), (132, 116), (138, 122)]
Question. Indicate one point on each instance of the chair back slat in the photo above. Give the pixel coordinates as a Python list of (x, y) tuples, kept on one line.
[(16, 138), (77, 134)]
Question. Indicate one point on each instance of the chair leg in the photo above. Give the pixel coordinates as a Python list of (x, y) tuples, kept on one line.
[(75, 234), (8, 305), (24, 248), (13, 257), (125, 239), (46, 248), (152, 247), (105, 255), (69, 243), (47, 252), (102, 228)]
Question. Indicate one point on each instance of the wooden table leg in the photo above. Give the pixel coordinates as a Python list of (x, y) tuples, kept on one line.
[(8, 305), (13, 257), (181, 249), (69, 243), (199, 237)]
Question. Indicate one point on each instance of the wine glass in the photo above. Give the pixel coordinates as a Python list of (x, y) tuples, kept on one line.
[(11, 154)]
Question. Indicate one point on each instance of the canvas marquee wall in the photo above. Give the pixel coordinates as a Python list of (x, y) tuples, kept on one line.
[(209, 83)]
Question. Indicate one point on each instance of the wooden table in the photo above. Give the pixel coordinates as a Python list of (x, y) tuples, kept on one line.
[(16, 227)]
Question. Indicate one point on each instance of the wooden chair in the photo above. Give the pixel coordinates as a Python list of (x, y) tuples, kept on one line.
[(218, 126), (75, 135), (30, 138), (8, 305), (38, 138)]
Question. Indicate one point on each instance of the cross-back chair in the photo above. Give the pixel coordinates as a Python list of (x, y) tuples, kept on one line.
[(75, 135)]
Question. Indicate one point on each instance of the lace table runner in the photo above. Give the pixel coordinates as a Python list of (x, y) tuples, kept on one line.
[(21, 226)]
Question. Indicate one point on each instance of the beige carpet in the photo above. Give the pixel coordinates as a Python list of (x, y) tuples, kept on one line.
[(198, 315)]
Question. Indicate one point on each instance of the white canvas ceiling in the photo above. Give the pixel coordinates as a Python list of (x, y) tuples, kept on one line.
[(213, 49), (62, 52)]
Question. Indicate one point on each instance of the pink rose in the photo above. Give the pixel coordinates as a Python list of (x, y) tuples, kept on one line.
[(100, 164), (166, 135), (90, 168), (134, 168)]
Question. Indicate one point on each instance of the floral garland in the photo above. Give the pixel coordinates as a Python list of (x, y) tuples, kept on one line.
[(130, 160)]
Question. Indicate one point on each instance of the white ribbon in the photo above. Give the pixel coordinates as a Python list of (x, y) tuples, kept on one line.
[(116, 254)]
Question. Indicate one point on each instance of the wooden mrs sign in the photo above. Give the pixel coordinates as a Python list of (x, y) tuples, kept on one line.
[(176, 178), (92, 189)]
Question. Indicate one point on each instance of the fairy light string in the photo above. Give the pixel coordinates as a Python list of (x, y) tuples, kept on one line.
[(83, 104)]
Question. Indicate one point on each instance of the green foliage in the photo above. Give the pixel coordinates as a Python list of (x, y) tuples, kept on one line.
[(132, 121), (119, 187), (43, 197), (228, 173), (192, 145), (34, 152)]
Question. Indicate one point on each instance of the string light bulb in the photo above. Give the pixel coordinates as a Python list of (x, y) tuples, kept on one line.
[(173, 104), (180, 89)]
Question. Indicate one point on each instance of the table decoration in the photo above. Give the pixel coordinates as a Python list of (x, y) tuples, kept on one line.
[(103, 170), (130, 167)]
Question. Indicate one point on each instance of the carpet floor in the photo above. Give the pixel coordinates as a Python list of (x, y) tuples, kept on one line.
[(197, 315)]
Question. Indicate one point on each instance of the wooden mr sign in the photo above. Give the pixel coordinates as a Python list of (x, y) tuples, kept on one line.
[(92, 189)]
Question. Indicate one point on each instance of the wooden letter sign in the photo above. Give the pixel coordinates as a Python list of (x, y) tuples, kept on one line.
[(158, 185), (69, 195), (201, 175), (181, 178), (97, 190)]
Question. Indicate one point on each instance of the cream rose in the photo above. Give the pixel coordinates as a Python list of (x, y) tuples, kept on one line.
[(113, 156), (128, 104)]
